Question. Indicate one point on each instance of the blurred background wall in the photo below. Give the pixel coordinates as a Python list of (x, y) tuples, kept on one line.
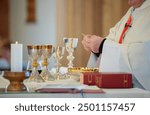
[(55, 19)]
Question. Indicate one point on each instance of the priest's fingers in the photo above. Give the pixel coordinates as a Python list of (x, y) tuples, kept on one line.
[(87, 48)]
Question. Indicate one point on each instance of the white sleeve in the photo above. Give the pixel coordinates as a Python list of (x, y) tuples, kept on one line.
[(139, 59), (93, 61)]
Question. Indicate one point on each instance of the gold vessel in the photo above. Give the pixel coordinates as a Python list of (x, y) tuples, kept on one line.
[(83, 69)]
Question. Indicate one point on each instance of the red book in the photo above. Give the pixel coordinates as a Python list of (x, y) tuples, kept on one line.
[(114, 80), (107, 80), (89, 78)]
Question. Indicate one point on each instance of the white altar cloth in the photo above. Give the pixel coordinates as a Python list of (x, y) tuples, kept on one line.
[(109, 93)]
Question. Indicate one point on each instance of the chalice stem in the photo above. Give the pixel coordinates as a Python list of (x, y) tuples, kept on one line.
[(57, 70), (70, 59)]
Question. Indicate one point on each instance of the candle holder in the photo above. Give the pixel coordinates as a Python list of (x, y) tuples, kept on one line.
[(16, 81)]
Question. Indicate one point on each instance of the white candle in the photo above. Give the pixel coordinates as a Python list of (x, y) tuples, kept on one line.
[(16, 57)]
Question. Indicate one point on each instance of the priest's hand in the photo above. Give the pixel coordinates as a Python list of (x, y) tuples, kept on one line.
[(92, 43)]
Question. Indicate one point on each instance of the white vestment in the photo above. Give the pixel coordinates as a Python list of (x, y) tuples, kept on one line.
[(133, 55)]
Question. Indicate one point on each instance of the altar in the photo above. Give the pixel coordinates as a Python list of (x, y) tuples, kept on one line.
[(108, 92)]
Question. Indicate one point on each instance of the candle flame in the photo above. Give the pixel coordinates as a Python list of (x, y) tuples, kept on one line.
[(16, 42)]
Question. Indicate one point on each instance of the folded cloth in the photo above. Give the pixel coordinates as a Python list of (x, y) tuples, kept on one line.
[(3, 82)]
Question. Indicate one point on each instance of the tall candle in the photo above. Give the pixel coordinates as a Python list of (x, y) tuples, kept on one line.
[(16, 57)]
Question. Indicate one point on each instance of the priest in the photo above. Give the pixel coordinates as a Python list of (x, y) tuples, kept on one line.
[(127, 46)]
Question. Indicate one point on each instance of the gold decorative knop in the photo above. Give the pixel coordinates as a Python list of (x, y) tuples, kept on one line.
[(35, 64), (45, 62)]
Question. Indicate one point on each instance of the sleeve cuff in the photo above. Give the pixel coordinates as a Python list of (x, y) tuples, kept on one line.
[(100, 48)]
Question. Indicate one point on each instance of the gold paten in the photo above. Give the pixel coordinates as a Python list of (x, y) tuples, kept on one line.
[(83, 69)]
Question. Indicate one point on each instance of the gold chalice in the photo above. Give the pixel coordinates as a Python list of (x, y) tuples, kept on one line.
[(70, 44), (46, 54), (34, 52), (58, 53)]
